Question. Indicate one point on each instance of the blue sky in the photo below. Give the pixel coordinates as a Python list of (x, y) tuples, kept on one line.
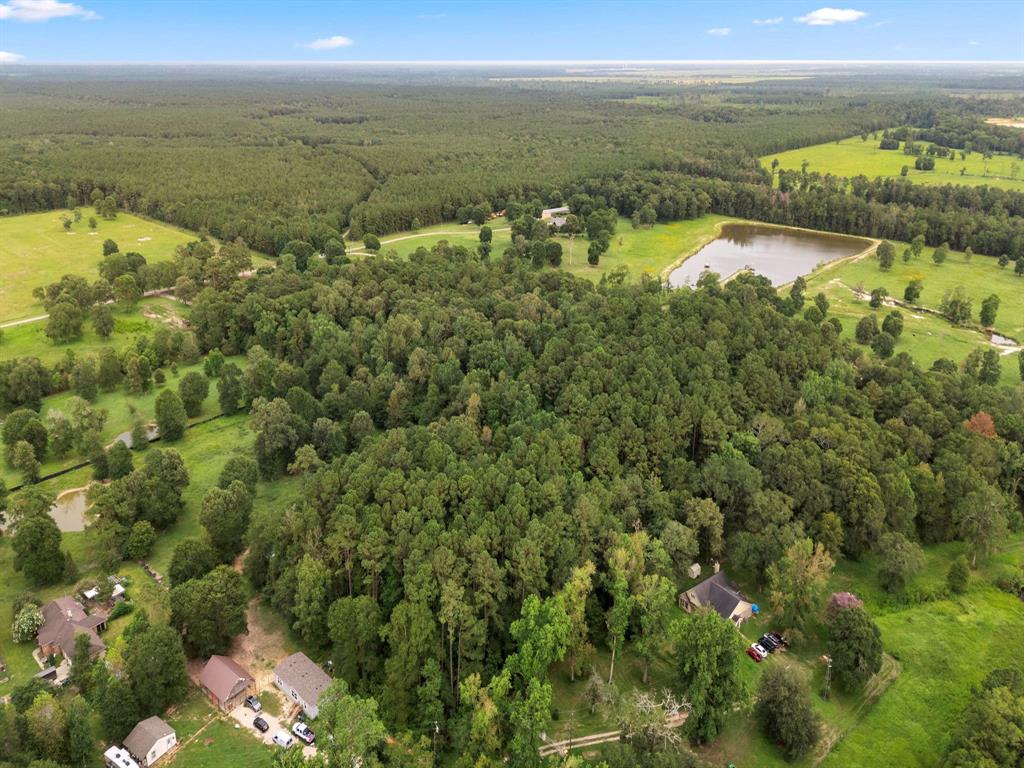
[(43, 31)]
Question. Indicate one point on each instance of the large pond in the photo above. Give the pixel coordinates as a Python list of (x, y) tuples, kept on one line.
[(778, 253)]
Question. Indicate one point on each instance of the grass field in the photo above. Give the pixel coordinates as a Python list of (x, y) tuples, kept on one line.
[(30, 339), (927, 337), (210, 739), (644, 251), (853, 157), (35, 250), (640, 251)]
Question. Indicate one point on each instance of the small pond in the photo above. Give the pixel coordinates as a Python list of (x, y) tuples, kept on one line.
[(69, 510), (778, 253)]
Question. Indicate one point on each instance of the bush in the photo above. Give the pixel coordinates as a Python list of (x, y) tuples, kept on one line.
[(784, 710), (26, 623), (122, 608), (958, 576)]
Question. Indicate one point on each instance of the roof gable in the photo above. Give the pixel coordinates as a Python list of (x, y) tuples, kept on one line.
[(145, 735), (304, 677), (224, 677)]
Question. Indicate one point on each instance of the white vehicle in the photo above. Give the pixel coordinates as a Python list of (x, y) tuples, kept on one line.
[(761, 649), (283, 739), (303, 732)]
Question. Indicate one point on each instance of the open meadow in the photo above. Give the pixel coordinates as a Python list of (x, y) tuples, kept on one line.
[(855, 157), (927, 337), (36, 250)]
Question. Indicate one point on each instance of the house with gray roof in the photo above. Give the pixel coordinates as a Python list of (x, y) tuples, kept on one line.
[(302, 681), (150, 740), (721, 594)]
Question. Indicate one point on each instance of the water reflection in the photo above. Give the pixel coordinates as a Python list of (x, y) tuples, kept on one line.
[(778, 253)]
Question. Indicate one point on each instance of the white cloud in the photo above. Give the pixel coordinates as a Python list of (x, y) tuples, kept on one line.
[(719, 31), (6, 57), (766, 22), (42, 10), (329, 43), (973, 42), (826, 17), (883, 23)]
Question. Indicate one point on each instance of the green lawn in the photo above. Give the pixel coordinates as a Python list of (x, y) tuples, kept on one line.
[(35, 250), (641, 251), (853, 157), (218, 743), (30, 339), (402, 244), (644, 251), (927, 337)]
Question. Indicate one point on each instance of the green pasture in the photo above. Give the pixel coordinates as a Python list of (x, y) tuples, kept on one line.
[(641, 251), (36, 250), (210, 739), (854, 157), (30, 339), (927, 337)]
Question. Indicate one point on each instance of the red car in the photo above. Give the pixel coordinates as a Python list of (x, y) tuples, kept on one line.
[(753, 653)]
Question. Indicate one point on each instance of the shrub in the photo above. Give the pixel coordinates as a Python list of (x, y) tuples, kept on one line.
[(26, 623)]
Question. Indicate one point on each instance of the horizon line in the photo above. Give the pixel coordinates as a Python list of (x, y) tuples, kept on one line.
[(500, 62)]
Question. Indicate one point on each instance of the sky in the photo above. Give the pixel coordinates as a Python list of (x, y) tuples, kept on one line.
[(105, 31)]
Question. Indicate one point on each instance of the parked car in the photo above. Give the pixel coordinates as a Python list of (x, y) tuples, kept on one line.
[(303, 732), (778, 638), (253, 703), (752, 653), (761, 649), (260, 725), (768, 642), (283, 739)]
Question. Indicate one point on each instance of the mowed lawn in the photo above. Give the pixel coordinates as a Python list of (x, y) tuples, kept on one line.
[(644, 251), (927, 337), (854, 157), (36, 250), (403, 244)]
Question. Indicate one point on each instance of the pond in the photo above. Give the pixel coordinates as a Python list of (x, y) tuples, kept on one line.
[(68, 511), (779, 253)]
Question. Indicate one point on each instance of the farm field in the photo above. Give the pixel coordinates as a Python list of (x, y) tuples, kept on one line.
[(927, 337), (35, 250), (854, 157)]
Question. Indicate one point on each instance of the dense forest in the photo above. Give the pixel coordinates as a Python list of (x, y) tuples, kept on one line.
[(503, 467)]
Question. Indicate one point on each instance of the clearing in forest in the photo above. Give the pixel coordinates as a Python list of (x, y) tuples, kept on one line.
[(854, 157), (35, 250)]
